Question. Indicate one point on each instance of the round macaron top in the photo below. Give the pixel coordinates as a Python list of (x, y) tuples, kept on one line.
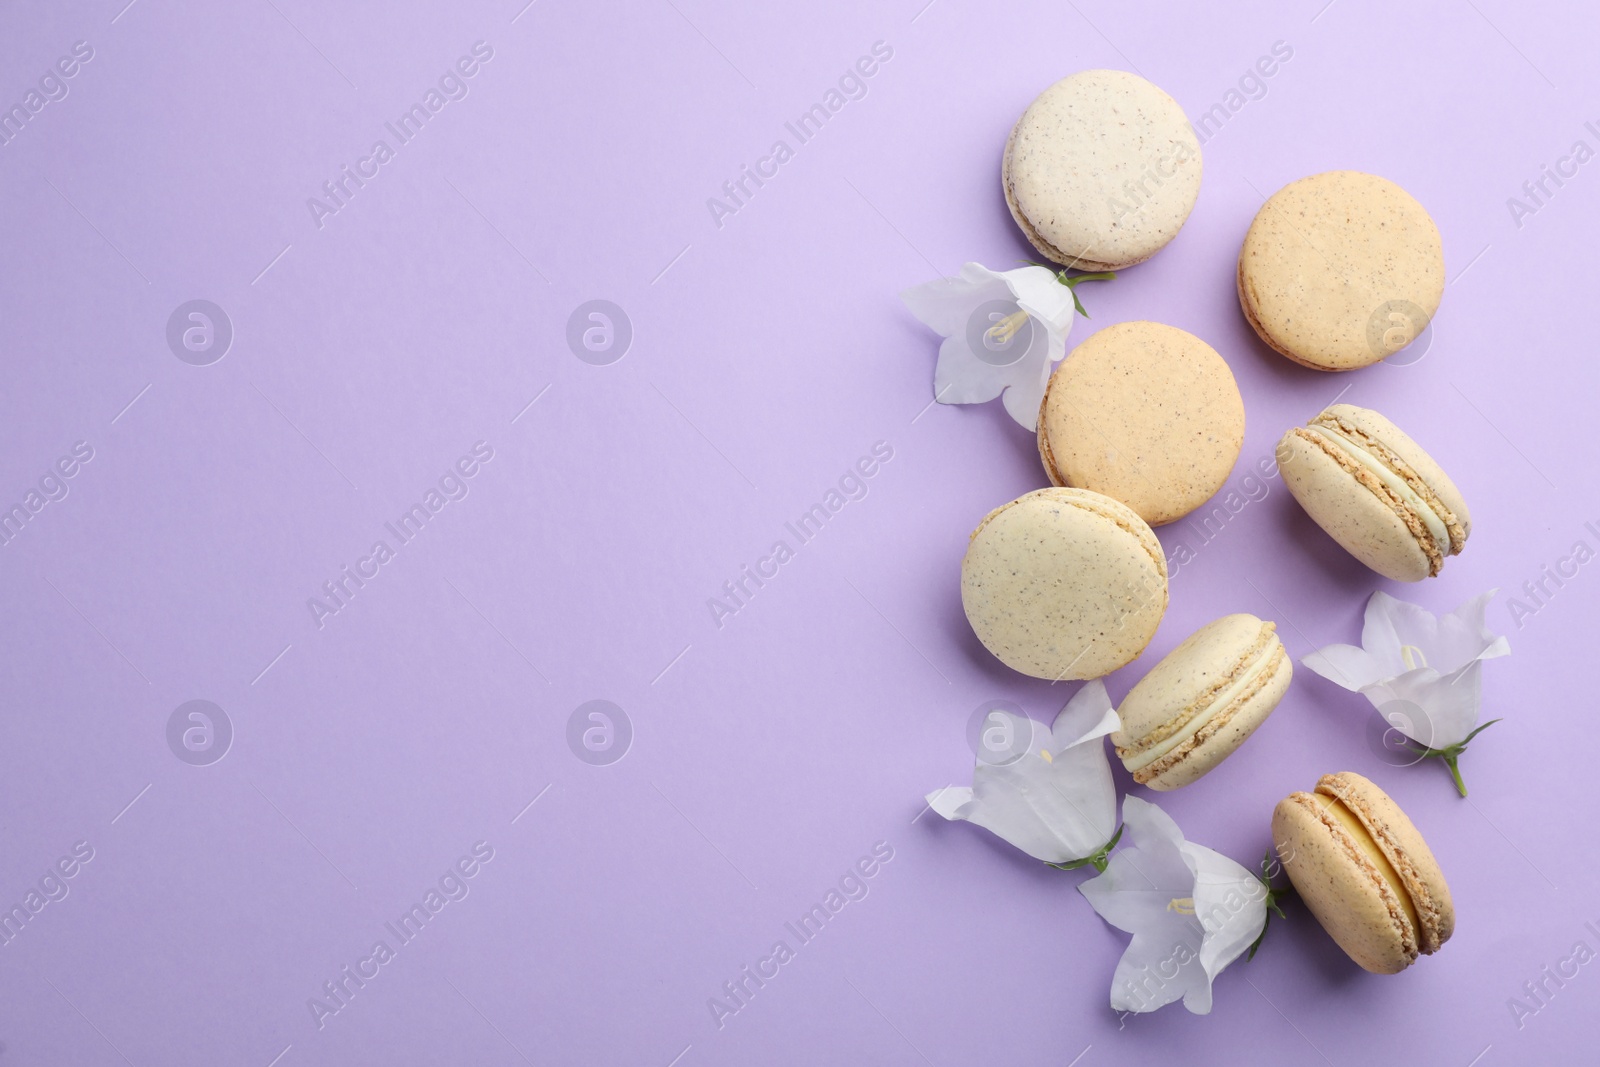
[(1202, 701), (1102, 170), (1145, 413), (1375, 491), (1340, 270), (1364, 871), (1064, 584)]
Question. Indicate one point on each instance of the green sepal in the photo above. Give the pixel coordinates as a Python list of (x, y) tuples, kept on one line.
[(1451, 753), (1071, 282), (1098, 860), (1273, 896)]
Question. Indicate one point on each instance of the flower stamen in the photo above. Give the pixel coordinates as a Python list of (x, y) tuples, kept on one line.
[(1412, 657), (1181, 905), (1004, 330)]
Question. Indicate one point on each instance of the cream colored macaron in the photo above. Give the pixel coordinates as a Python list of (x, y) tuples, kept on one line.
[(1375, 491), (1101, 171), (1340, 270), (1064, 584), (1364, 871), (1201, 702), (1145, 413)]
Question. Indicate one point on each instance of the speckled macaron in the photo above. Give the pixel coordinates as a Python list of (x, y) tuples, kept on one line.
[(1101, 171), (1364, 871), (1064, 584), (1201, 702), (1340, 270), (1144, 413), (1375, 491)]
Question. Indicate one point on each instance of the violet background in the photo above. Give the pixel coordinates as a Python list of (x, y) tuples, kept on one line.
[(768, 355)]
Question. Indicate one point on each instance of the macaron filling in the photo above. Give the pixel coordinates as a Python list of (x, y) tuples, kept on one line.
[(1437, 525), (1136, 758), (1363, 840)]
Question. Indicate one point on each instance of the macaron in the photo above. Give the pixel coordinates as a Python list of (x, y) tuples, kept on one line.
[(1101, 170), (1064, 584), (1364, 871), (1144, 413), (1375, 491), (1202, 701), (1340, 270)]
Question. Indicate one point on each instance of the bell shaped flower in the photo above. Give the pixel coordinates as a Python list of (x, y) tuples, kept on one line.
[(1052, 795), (1191, 912), (1003, 330), (1423, 673)]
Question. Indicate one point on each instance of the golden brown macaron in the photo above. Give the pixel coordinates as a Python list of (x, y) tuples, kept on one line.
[(1375, 491), (1145, 413), (1340, 270), (1364, 871)]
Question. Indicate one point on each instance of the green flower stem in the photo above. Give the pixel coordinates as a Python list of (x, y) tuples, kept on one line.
[(1071, 281), (1099, 860), (1273, 896), (1451, 753)]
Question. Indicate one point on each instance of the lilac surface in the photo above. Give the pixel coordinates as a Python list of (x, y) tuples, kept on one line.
[(769, 353)]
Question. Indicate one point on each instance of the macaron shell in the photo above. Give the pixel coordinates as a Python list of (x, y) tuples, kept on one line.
[(1340, 888), (1379, 428), (1403, 845), (1075, 152), (1035, 238), (1208, 658), (1226, 739), (1323, 259), (1362, 521), (1145, 413), (1064, 584)]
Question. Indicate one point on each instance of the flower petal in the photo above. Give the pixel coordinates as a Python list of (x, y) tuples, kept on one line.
[(944, 304), (1086, 716), (1189, 909), (1159, 966), (963, 375), (1055, 807), (950, 800), (1380, 634), (1231, 905), (1025, 394), (1346, 665), (1422, 673), (1145, 874), (1432, 710), (960, 377)]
